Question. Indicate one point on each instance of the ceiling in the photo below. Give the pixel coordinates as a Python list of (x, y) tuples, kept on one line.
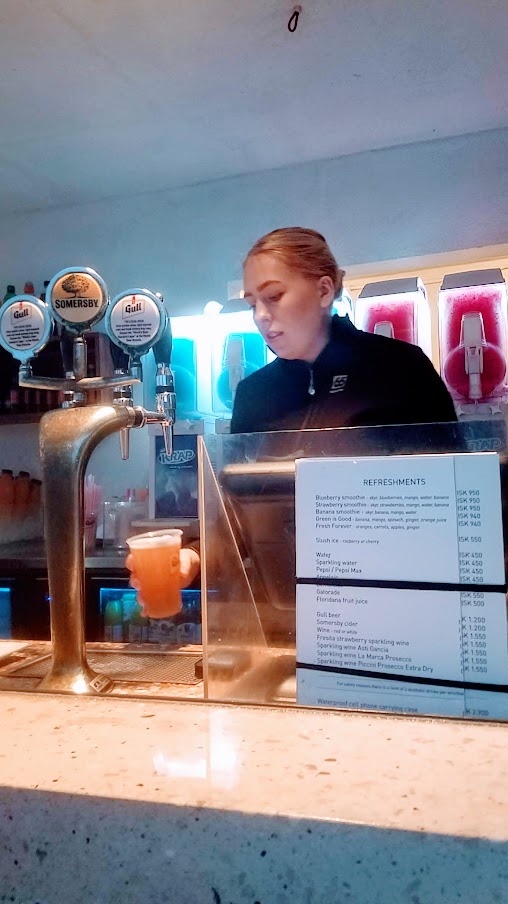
[(107, 98)]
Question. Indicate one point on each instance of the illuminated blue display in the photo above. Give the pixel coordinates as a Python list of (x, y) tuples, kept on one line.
[(117, 606), (5, 613)]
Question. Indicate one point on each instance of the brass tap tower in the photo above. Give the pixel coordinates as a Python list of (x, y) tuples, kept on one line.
[(136, 321)]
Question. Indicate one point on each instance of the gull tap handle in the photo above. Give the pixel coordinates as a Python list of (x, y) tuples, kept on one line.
[(164, 384)]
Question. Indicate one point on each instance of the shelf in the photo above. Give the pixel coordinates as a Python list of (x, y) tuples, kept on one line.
[(7, 420), (30, 555)]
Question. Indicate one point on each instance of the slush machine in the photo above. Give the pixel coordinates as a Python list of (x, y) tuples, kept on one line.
[(397, 308), (473, 339)]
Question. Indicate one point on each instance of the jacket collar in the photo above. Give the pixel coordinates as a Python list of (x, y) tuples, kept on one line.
[(341, 331)]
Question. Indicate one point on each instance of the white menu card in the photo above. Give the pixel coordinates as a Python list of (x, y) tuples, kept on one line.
[(400, 584)]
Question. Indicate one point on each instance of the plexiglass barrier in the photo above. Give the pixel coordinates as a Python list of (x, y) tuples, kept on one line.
[(385, 593)]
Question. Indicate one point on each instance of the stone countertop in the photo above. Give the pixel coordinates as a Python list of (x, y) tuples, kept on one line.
[(424, 775), (115, 801)]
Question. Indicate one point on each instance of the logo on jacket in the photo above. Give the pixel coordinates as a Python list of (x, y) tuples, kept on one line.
[(339, 383)]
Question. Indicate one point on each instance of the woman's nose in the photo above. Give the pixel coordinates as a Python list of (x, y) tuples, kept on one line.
[(262, 313)]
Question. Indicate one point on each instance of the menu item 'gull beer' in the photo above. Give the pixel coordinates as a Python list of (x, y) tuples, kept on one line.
[(156, 557)]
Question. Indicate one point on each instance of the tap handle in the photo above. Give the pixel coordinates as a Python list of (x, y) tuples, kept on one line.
[(166, 403), (164, 346), (164, 379)]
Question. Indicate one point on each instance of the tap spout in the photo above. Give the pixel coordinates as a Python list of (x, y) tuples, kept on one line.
[(165, 386), (67, 439), (166, 404)]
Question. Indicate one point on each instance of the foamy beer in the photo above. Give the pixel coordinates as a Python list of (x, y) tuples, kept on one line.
[(156, 557)]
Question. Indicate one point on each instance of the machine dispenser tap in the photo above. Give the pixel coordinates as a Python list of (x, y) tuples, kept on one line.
[(166, 403), (77, 298), (165, 386), (137, 322)]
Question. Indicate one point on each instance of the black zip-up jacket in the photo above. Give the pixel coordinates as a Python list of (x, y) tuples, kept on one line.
[(359, 379)]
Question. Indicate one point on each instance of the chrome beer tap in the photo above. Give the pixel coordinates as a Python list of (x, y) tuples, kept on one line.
[(67, 439), (164, 386), (137, 322), (77, 298)]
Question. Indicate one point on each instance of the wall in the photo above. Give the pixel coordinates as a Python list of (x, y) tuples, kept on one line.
[(19, 450), (406, 201), (400, 203)]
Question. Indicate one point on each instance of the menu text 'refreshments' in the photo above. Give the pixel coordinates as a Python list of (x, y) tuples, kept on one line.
[(394, 481)]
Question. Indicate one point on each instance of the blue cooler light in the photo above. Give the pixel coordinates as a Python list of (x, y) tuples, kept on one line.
[(5, 614)]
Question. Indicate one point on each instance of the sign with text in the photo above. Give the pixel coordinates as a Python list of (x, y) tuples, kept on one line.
[(400, 594)]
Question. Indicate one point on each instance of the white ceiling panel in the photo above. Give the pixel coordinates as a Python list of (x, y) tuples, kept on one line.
[(104, 98)]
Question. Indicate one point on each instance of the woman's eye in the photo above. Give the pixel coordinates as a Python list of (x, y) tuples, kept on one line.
[(276, 297)]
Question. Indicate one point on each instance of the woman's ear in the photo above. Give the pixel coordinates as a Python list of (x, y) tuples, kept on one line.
[(326, 290)]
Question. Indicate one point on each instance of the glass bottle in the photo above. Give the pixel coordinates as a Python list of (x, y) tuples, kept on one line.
[(11, 290), (113, 621)]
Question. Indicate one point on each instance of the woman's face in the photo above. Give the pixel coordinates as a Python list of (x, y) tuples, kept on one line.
[(291, 311)]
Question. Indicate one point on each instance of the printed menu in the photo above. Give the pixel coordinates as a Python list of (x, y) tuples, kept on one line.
[(401, 602)]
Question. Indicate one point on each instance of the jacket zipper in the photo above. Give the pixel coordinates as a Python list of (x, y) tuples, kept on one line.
[(311, 390)]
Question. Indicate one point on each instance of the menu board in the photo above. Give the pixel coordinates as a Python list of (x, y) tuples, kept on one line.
[(401, 602)]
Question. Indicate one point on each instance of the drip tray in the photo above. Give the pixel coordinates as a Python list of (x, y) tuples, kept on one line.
[(163, 668)]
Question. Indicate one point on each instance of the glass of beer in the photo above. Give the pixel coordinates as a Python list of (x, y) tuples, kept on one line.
[(156, 557)]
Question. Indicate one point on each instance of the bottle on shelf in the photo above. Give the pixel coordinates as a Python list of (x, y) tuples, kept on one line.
[(26, 400), (188, 620), (6, 494), (138, 626), (11, 290), (29, 288), (35, 499), (12, 398), (113, 621), (21, 495), (43, 293)]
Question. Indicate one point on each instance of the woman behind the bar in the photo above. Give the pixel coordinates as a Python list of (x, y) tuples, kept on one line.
[(327, 373)]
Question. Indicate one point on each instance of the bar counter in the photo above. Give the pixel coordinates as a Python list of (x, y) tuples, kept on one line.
[(30, 554), (117, 800)]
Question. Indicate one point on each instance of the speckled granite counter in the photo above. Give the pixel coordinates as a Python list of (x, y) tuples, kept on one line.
[(106, 801)]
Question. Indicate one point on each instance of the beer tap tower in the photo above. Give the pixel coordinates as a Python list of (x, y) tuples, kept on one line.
[(136, 321)]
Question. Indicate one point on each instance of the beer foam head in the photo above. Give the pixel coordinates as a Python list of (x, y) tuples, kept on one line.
[(156, 539)]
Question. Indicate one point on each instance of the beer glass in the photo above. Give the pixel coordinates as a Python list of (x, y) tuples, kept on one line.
[(156, 557)]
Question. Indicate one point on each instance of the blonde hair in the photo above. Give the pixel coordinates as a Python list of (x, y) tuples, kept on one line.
[(304, 250)]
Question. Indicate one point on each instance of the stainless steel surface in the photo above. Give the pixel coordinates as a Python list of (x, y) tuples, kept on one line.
[(31, 554), (67, 439), (70, 384), (123, 396), (139, 667), (79, 358)]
